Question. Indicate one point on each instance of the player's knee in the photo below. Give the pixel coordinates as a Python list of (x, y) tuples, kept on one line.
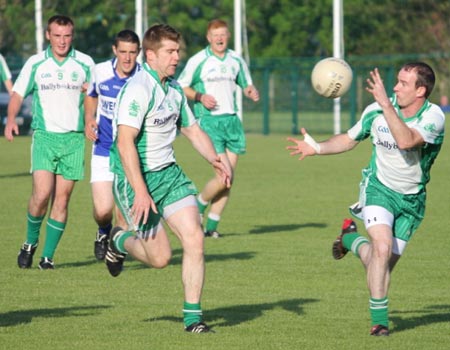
[(161, 261)]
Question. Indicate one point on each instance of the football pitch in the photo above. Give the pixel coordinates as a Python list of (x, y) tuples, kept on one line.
[(271, 282)]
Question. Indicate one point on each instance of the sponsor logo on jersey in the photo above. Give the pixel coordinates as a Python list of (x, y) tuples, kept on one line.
[(104, 87), (386, 144), (133, 108)]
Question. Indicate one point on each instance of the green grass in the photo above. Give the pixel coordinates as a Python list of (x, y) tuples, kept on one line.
[(271, 282)]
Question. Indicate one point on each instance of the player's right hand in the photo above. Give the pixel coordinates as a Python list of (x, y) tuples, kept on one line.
[(11, 128), (90, 130)]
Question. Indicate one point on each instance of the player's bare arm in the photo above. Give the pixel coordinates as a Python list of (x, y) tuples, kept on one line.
[(206, 100), (405, 137), (143, 202), (11, 127), (203, 145), (90, 124), (309, 147)]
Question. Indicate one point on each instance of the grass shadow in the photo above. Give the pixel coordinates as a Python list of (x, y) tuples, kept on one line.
[(429, 315), (15, 318), (7, 176), (177, 256), (285, 228), (237, 314)]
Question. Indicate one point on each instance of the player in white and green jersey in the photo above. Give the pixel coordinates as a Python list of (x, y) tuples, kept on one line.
[(148, 184), (211, 78), (406, 132), (5, 75), (57, 78)]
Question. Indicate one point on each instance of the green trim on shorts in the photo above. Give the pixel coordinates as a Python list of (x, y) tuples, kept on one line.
[(226, 133), (167, 186), (59, 153), (408, 209)]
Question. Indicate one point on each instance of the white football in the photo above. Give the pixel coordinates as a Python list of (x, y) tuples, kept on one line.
[(331, 77)]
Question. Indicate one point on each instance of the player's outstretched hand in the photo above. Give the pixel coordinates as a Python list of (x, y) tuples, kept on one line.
[(224, 170), (306, 147), (376, 87)]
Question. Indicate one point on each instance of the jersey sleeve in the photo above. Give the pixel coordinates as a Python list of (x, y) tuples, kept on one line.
[(361, 130), (25, 81), (185, 78), (5, 73), (431, 125), (132, 105), (244, 78), (92, 88)]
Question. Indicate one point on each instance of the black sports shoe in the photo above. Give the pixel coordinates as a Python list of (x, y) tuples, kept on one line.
[(379, 330), (213, 234), (338, 250), (25, 258), (114, 259), (198, 327), (100, 246), (46, 264)]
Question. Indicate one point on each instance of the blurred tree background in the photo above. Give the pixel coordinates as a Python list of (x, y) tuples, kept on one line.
[(274, 29)]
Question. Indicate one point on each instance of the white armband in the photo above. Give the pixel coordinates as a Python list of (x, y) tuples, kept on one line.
[(310, 141)]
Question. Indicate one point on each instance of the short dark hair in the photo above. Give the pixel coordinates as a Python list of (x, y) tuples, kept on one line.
[(425, 75), (60, 20), (127, 36), (156, 34)]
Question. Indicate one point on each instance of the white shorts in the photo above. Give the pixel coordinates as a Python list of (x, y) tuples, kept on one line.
[(100, 169), (376, 215)]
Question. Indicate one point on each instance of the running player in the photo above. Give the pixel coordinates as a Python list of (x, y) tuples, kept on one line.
[(108, 79), (57, 78), (210, 79), (407, 132), (148, 183)]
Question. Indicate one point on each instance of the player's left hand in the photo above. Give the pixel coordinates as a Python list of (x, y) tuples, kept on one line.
[(252, 93), (376, 87), (224, 170)]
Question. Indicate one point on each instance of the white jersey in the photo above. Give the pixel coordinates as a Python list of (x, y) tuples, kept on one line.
[(105, 85), (403, 171), (57, 89), (157, 111), (219, 77), (5, 73)]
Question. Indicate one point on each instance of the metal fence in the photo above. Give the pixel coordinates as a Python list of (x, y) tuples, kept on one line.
[(288, 101)]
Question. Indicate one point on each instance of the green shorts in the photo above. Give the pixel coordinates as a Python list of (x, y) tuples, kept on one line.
[(59, 153), (166, 186), (225, 132), (408, 209)]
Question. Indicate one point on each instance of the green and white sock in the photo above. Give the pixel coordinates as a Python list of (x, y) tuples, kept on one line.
[(202, 204), (192, 313), (119, 241), (55, 230), (352, 241), (34, 224), (213, 222), (379, 311)]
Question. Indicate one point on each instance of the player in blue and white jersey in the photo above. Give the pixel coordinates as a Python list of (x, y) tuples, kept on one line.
[(57, 78), (406, 132), (148, 184), (211, 78), (5, 75), (100, 102)]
